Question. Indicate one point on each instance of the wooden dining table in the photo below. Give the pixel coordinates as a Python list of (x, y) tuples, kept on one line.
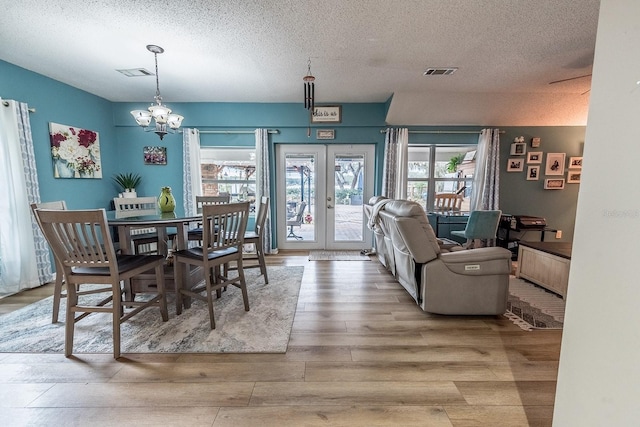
[(161, 221)]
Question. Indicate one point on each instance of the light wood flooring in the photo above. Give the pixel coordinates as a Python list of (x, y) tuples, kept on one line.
[(361, 353)]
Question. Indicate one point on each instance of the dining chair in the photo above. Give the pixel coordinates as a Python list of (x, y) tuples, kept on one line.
[(256, 237), (82, 245), (195, 234), (144, 240), (482, 225), (223, 228), (59, 281), (447, 202), (296, 221)]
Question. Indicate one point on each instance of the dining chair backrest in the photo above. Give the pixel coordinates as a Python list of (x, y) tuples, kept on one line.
[(261, 217), (57, 287), (79, 239), (223, 225), (211, 200), (135, 206), (448, 202)]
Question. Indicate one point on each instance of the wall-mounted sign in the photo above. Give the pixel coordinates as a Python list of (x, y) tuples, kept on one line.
[(325, 134), (326, 114)]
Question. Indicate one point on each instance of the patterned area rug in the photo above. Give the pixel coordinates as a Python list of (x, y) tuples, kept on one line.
[(532, 307), (337, 256), (263, 329)]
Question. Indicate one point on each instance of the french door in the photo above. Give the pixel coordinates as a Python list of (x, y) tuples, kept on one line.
[(320, 191)]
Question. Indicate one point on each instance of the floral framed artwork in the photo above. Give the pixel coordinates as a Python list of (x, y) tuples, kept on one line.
[(554, 184), (515, 165), (555, 164), (573, 177), (533, 173), (75, 152), (575, 162), (155, 155), (534, 157)]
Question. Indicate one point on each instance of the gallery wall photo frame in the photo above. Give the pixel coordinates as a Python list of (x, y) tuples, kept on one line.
[(575, 162), (515, 164), (155, 155), (555, 164), (535, 142), (518, 149), (326, 114), (533, 173), (554, 184), (534, 157), (574, 176)]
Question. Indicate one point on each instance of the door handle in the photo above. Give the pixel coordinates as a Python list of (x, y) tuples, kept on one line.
[(329, 207)]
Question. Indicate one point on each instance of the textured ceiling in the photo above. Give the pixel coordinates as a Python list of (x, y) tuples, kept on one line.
[(507, 52)]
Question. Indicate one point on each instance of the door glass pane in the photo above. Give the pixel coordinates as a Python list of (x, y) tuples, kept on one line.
[(300, 199), (349, 181)]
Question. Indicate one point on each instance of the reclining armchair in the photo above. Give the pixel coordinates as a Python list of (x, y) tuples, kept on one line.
[(465, 282)]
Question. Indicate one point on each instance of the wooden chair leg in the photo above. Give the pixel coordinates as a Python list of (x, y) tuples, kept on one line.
[(243, 286), (117, 304), (72, 302), (177, 283), (211, 279), (162, 292), (57, 294), (261, 261)]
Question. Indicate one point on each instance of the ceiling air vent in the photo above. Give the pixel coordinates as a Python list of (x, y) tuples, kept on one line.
[(440, 71), (136, 72)]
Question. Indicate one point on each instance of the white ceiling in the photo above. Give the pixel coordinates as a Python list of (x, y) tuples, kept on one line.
[(507, 52)]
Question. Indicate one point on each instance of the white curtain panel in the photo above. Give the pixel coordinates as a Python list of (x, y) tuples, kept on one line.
[(486, 177), (263, 183), (24, 254), (192, 173), (396, 163)]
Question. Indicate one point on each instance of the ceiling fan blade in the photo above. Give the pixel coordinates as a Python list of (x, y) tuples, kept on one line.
[(570, 78)]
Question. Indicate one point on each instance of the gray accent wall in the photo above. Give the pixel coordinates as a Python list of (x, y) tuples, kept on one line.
[(521, 197)]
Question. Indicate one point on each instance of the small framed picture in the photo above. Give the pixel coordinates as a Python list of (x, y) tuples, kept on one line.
[(555, 164), (575, 162), (518, 149), (534, 157), (535, 142), (533, 173), (554, 184), (155, 155), (515, 165), (573, 176)]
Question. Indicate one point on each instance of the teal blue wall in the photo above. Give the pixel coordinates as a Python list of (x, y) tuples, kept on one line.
[(122, 143), (60, 103)]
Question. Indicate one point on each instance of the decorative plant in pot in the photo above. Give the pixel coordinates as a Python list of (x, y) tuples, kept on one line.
[(128, 183)]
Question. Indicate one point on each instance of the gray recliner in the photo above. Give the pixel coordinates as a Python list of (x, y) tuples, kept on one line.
[(471, 282)]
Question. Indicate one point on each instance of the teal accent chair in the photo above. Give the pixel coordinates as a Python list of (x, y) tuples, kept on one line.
[(482, 225)]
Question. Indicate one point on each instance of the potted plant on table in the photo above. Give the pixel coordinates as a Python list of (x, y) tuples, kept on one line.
[(128, 183)]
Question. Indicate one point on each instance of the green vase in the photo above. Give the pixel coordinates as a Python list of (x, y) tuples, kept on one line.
[(166, 202)]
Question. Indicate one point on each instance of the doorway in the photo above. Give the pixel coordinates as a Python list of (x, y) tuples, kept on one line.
[(320, 192)]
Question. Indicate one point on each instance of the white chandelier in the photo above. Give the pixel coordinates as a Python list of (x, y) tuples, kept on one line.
[(165, 122)]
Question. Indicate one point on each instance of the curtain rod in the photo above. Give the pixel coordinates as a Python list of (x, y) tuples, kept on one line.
[(6, 104), (443, 131), (236, 131)]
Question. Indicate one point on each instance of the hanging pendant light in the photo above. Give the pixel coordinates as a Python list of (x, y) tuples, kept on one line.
[(164, 121), (309, 95)]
